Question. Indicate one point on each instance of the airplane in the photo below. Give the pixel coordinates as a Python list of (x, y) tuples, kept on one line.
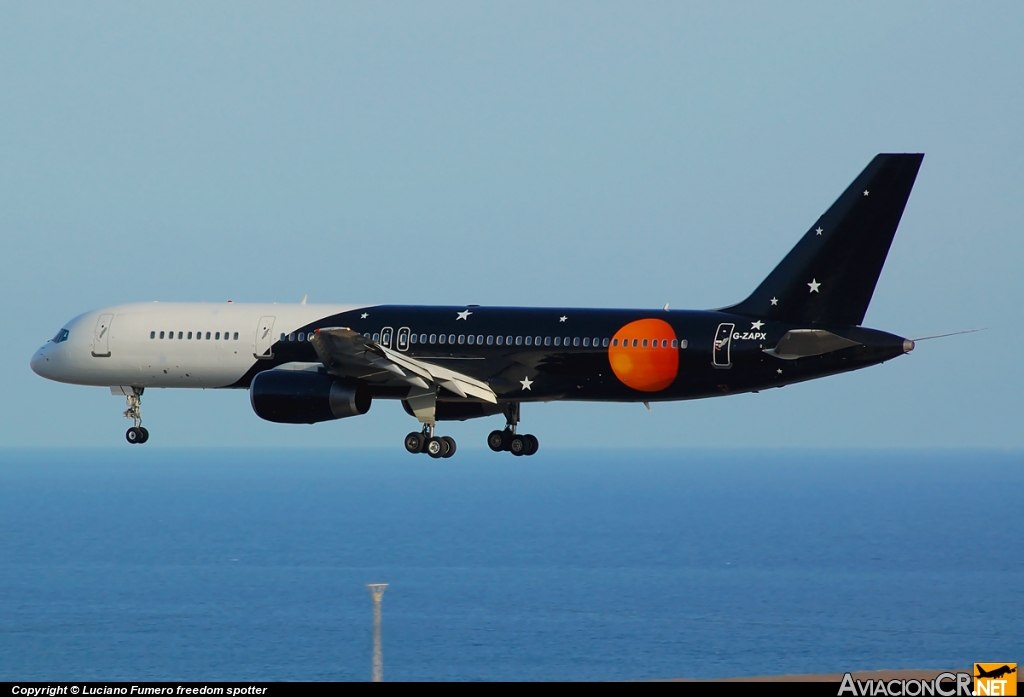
[(305, 363)]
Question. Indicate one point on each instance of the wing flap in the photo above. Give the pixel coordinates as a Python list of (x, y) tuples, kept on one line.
[(349, 353)]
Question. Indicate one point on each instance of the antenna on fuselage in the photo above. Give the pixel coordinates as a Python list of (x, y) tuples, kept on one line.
[(304, 297)]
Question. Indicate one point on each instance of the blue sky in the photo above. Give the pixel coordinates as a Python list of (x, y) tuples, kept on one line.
[(580, 154)]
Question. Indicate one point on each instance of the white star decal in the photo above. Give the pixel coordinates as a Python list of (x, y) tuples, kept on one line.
[(526, 383), (462, 315), (866, 192), (779, 371), (775, 301), (562, 318), (818, 230), (756, 325), (814, 285), (364, 315)]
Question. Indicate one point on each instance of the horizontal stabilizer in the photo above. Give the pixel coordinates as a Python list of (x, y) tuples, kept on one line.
[(801, 343)]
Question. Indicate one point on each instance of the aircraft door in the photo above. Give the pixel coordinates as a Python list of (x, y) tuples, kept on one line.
[(385, 336), (101, 337), (723, 343), (403, 339), (264, 338)]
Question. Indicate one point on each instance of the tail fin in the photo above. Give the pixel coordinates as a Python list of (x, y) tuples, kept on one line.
[(830, 275)]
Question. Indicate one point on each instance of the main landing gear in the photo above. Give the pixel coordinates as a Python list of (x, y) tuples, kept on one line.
[(510, 441), (135, 434), (426, 442)]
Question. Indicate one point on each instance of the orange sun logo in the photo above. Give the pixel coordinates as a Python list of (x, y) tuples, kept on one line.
[(642, 355)]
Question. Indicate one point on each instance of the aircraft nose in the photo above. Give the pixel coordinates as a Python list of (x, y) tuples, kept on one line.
[(40, 362)]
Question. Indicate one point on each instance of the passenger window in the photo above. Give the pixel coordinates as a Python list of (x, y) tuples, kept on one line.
[(302, 336), (207, 336), (501, 340), (586, 341), (170, 335), (451, 338), (605, 343), (291, 337), (490, 339), (189, 335), (236, 336), (508, 341), (412, 338), (558, 341), (519, 341), (215, 336), (472, 340), (479, 339), (529, 340), (634, 343), (433, 338), (575, 341), (376, 336), (536, 341), (152, 335), (161, 335), (644, 344), (441, 339), (283, 336), (615, 342), (674, 343), (423, 338), (547, 341)]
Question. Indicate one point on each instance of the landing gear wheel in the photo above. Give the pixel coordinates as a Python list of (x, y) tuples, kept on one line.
[(133, 435), (450, 442), (497, 441), (415, 442), (517, 446), (532, 444), (435, 447), (145, 434)]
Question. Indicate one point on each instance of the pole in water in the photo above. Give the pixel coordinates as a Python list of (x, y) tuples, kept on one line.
[(377, 591)]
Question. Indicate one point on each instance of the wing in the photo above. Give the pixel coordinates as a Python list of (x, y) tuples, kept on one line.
[(350, 354)]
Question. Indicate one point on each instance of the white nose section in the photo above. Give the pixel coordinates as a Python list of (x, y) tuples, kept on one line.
[(40, 363)]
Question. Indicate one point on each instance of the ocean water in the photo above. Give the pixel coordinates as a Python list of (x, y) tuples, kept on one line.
[(141, 563)]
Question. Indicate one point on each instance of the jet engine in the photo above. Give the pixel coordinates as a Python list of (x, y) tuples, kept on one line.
[(304, 397)]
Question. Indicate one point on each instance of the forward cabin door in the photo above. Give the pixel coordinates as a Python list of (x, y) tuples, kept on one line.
[(265, 338), (101, 337)]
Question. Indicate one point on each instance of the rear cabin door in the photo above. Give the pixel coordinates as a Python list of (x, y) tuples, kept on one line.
[(722, 357), (101, 337), (265, 338)]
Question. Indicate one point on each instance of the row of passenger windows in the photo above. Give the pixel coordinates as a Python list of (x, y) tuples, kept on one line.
[(536, 341), (302, 337), (215, 336)]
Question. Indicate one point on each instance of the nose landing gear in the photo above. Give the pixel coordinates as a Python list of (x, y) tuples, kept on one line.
[(135, 434)]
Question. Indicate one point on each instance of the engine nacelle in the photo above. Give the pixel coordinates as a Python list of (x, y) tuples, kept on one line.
[(304, 397)]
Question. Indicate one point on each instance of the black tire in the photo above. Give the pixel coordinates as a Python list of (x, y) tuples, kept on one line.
[(415, 442), (532, 444), (496, 441), (435, 447), (517, 446), (145, 434), (133, 436), (450, 442)]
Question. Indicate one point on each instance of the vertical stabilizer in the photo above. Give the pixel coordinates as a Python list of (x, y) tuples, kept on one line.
[(830, 275)]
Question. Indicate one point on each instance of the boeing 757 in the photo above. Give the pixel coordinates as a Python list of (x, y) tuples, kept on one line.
[(304, 364)]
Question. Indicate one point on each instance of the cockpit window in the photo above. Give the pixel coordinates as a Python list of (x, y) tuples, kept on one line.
[(62, 335)]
